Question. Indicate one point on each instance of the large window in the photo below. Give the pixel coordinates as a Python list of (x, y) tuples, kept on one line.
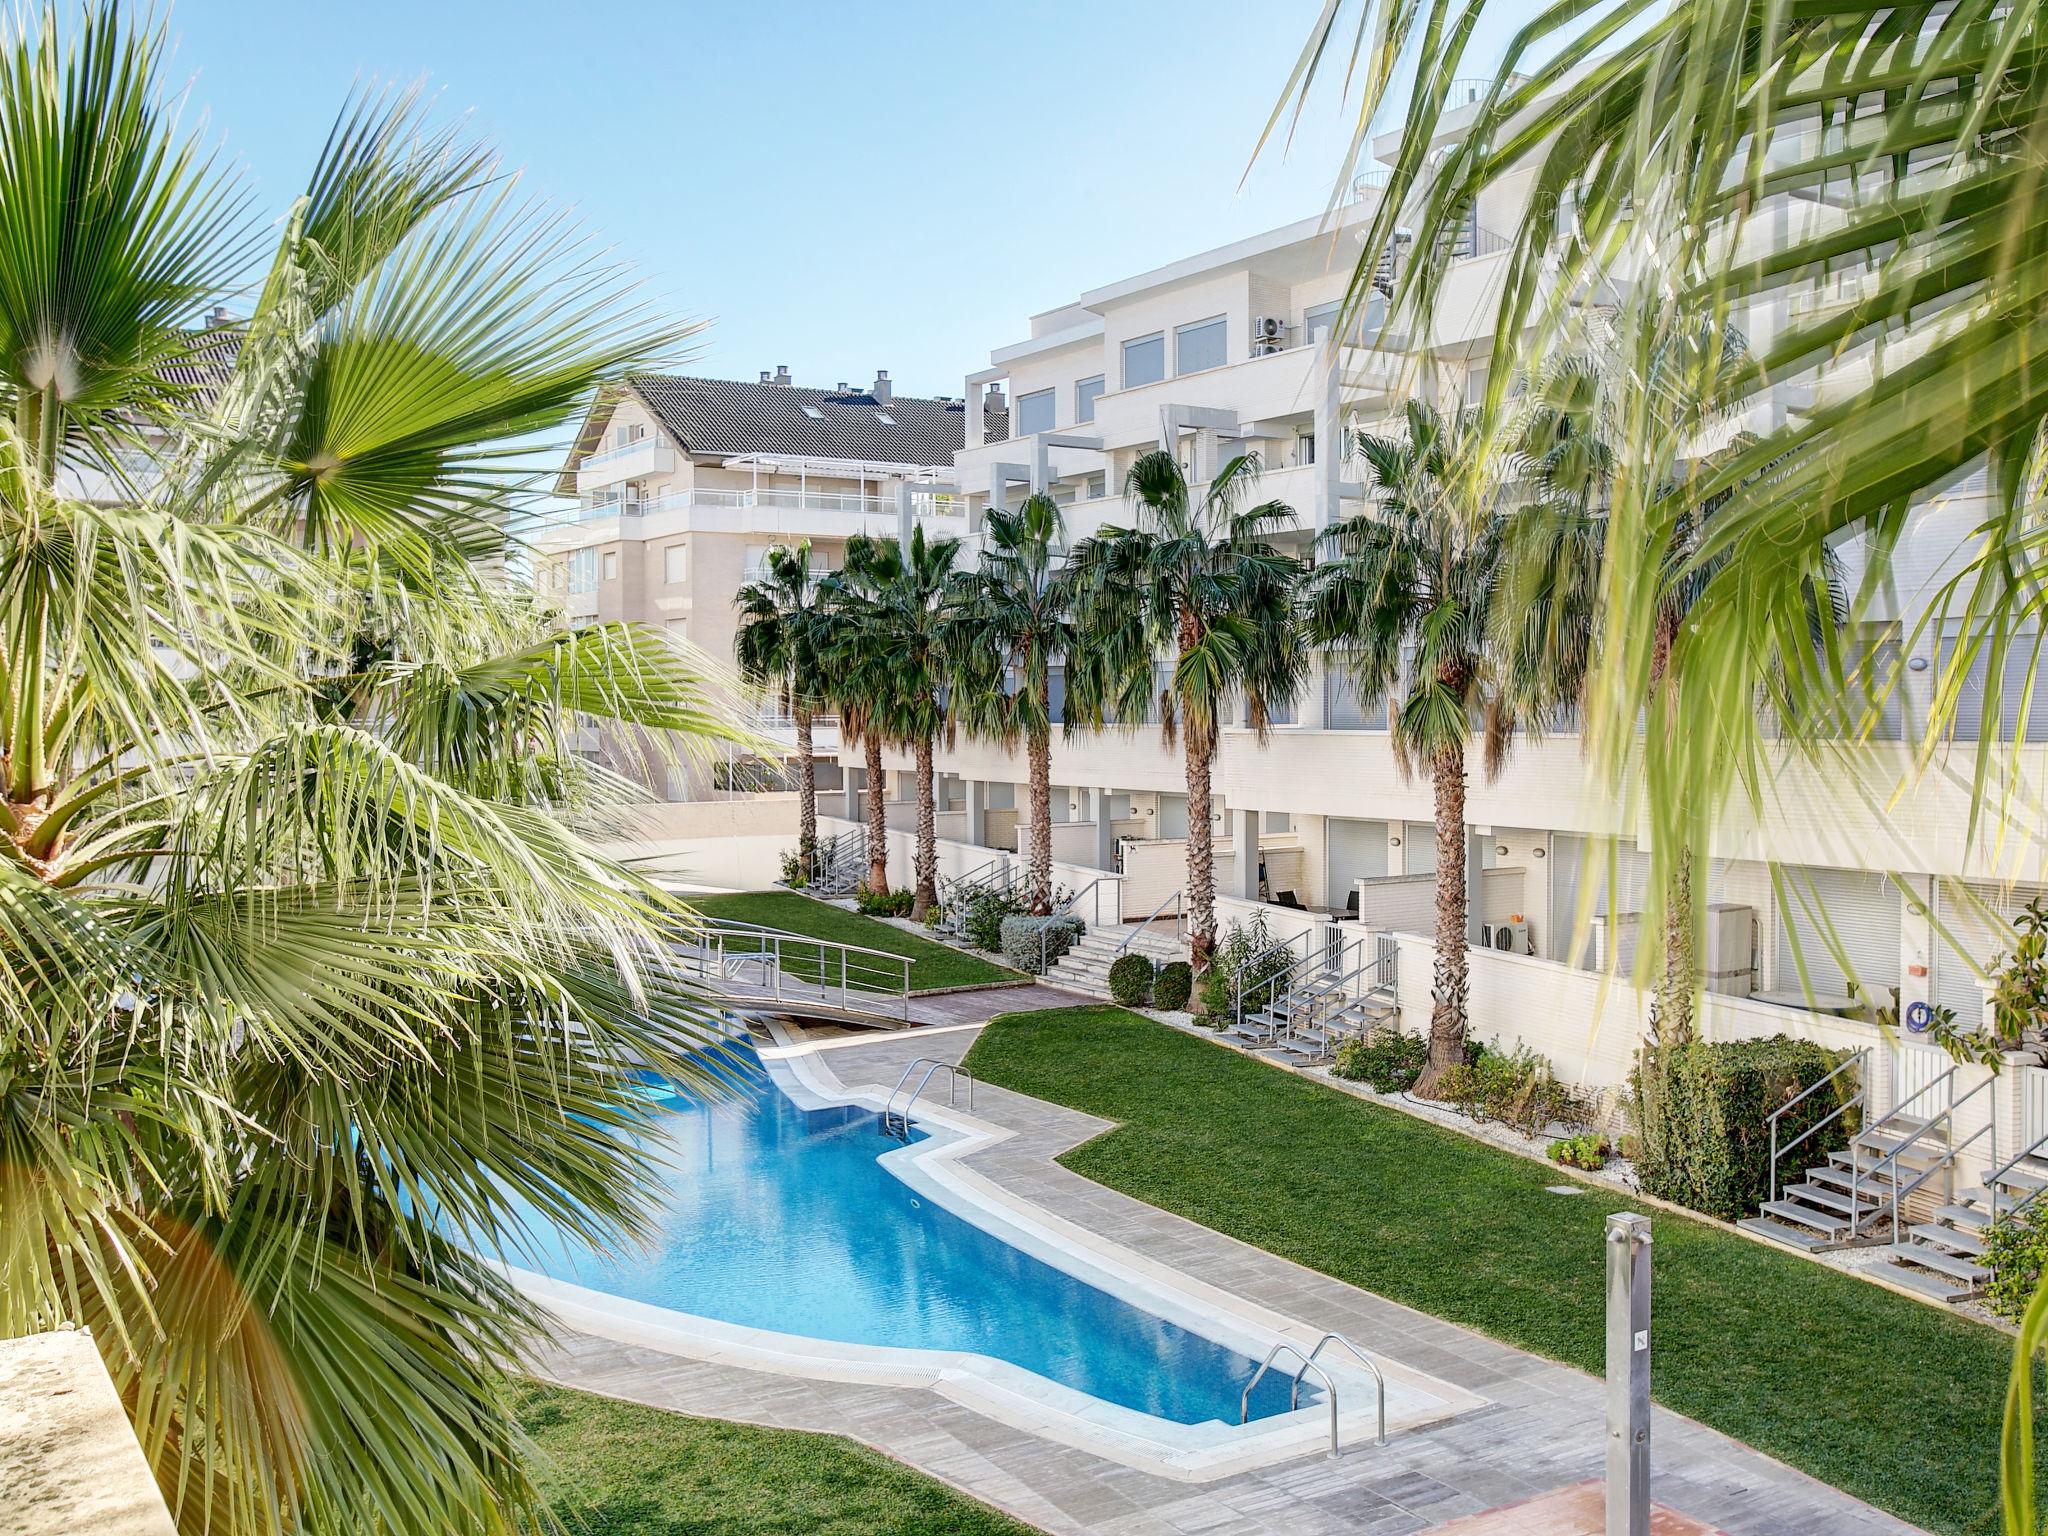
[(611, 565), (1201, 345), (1086, 393), (675, 564), (1144, 361), (583, 571), (1318, 319), (1035, 412)]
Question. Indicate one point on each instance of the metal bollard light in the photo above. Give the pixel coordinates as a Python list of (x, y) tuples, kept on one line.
[(1628, 1375)]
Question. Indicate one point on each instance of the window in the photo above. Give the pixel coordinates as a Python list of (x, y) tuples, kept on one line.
[(625, 437), (675, 564), (814, 413), (1098, 486), (1144, 361), (680, 629), (1201, 345), (1034, 412), (1304, 448), (1086, 393), (611, 565), (1318, 318), (885, 418), (583, 571)]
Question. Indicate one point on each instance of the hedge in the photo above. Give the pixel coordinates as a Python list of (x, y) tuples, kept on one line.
[(1023, 946), (1701, 1114), (1170, 988)]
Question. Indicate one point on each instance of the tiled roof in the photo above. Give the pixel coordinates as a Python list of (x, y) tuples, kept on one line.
[(207, 363), (723, 417)]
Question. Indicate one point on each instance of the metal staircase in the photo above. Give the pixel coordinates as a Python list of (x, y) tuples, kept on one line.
[(842, 863), (1862, 1196), (1333, 990)]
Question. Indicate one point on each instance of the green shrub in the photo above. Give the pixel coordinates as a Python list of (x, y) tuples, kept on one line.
[(1389, 1062), (1025, 939), (1240, 958), (1588, 1151), (2016, 1253), (1517, 1088), (1170, 988), (983, 922), (1701, 1115), (793, 870), (1130, 980), (896, 903)]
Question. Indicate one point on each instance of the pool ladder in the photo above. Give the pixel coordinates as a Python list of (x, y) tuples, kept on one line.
[(1308, 1364), (895, 1120)]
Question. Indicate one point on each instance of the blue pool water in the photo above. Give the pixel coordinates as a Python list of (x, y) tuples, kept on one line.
[(781, 1218)]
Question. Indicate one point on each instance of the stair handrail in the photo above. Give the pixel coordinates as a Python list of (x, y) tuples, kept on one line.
[(1244, 1400), (1947, 1161), (1855, 1059), (1153, 917), (1061, 909), (1991, 1186), (1892, 1157), (1378, 1376), (1268, 982)]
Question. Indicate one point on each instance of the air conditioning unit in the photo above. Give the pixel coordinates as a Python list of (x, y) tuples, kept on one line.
[(1269, 335), (1509, 938)]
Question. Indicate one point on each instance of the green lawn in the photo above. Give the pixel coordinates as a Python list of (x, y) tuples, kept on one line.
[(933, 966), (1896, 1402), (619, 1469)]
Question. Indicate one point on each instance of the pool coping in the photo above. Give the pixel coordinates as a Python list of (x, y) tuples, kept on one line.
[(935, 1168)]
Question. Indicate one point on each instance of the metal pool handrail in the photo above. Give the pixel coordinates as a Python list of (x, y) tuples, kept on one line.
[(892, 1116), (1363, 1359), (1244, 1400)]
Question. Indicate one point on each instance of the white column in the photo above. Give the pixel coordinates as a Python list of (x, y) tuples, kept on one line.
[(904, 520), (1329, 452), (1244, 831), (1105, 838), (850, 778), (977, 812)]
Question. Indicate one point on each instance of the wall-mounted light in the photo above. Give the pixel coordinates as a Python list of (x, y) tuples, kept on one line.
[(1393, 842), (1500, 850), (1917, 664), (1537, 851)]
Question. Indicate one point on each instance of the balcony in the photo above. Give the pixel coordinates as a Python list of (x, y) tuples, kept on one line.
[(827, 514), (632, 461)]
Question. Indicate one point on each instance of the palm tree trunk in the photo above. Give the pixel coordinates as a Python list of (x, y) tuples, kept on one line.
[(1451, 982), (1201, 892), (878, 818), (806, 799), (927, 861), (1039, 862), (1672, 1010)]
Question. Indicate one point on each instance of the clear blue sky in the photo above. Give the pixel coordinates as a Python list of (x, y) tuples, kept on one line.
[(836, 186)]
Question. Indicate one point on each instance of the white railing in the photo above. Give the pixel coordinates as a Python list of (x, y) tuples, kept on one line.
[(749, 963), (623, 451), (713, 499)]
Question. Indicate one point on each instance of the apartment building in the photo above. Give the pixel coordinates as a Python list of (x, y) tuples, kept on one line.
[(681, 485), (1861, 875)]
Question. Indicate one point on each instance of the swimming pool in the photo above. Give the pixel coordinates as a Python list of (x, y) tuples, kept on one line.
[(797, 1219)]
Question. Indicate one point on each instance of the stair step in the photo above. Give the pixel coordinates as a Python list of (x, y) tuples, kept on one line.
[(1964, 1244), (1827, 1223), (1940, 1287), (1826, 1198), (1837, 1176), (1778, 1232), (2021, 1178), (1943, 1263), (1968, 1217)]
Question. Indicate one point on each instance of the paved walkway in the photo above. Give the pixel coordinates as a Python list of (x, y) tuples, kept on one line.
[(1541, 1432)]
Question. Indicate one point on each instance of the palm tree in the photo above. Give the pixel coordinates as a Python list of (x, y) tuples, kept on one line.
[(1713, 156), (889, 639), (777, 650), (1408, 605), (1199, 581), (1011, 620), (311, 983)]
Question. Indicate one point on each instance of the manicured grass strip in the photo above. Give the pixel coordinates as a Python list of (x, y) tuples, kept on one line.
[(933, 966), (1892, 1401), (620, 1469)]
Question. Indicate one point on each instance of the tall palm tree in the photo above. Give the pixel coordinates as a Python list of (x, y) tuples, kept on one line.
[(1407, 605), (777, 647), (890, 653), (1011, 621), (309, 979), (1198, 582), (1721, 155)]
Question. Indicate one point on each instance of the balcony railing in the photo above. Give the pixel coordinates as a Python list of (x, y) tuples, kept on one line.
[(623, 451), (778, 500)]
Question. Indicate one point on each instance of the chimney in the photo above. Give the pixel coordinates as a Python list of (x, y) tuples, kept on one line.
[(839, 388), (782, 374), (765, 376), (993, 400), (881, 389), (218, 316)]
